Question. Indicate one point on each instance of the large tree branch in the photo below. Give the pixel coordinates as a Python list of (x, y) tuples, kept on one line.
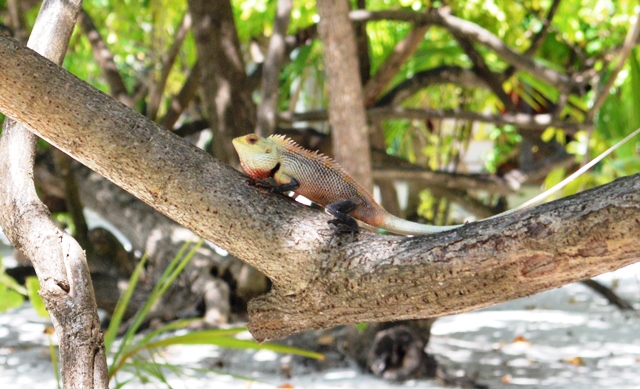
[(473, 267), (321, 277), (351, 146)]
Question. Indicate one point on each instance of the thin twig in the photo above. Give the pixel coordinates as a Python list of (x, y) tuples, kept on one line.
[(268, 107), (157, 88), (629, 43)]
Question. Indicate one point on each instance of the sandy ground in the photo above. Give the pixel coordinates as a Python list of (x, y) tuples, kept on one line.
[(564, 338)]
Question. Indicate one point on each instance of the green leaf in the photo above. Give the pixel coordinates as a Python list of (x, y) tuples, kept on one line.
[(555, 177), (9, 298), (33, 286), (121, 307), (10, 282), (219, 338)]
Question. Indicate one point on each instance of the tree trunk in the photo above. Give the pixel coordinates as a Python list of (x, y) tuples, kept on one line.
[(224, 82), (346, 103), (59, 261)]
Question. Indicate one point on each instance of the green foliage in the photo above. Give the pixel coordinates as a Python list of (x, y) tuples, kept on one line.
[(139, 354), (12, 294), (33, 287), (505, 138)]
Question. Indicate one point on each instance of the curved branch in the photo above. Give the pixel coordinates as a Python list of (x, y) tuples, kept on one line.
[(401, 53), (492, 80), (474, 32), (387, 166), (420, 80), (630, 42)]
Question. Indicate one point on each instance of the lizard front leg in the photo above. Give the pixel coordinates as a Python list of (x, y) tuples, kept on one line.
[(283, 183)]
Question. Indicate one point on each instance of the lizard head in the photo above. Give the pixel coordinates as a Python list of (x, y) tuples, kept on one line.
[(258, 156)]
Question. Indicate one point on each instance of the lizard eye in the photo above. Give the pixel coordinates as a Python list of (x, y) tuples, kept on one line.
[(267, 151), (252, 139)]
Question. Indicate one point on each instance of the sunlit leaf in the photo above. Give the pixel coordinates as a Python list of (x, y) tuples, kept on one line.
[(33, 287)]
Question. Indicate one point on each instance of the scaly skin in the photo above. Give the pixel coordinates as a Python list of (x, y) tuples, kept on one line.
[(321, 180)]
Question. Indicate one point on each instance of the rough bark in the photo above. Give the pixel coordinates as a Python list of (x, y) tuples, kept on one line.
[(161, 239), (322, 277), (59, 261), (346, 102), (475, 266)]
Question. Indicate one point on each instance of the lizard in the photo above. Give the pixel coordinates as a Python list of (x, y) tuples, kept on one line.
[(323, 181)]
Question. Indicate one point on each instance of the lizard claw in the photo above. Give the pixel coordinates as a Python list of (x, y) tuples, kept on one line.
[(342, 226)]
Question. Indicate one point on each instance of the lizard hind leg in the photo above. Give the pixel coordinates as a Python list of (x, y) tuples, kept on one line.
[(340, 210)]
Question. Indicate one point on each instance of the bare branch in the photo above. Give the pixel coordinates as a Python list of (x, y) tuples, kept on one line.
[(191, 128), (492, 80), (179, 103), (268, 107), (401, 53), (420, 80), (396, 168), (524, 121), (157, 86), (104, 58), (476, 33), (630, 42)]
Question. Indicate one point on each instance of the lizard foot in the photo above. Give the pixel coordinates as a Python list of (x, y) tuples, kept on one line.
[(340, 210)]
